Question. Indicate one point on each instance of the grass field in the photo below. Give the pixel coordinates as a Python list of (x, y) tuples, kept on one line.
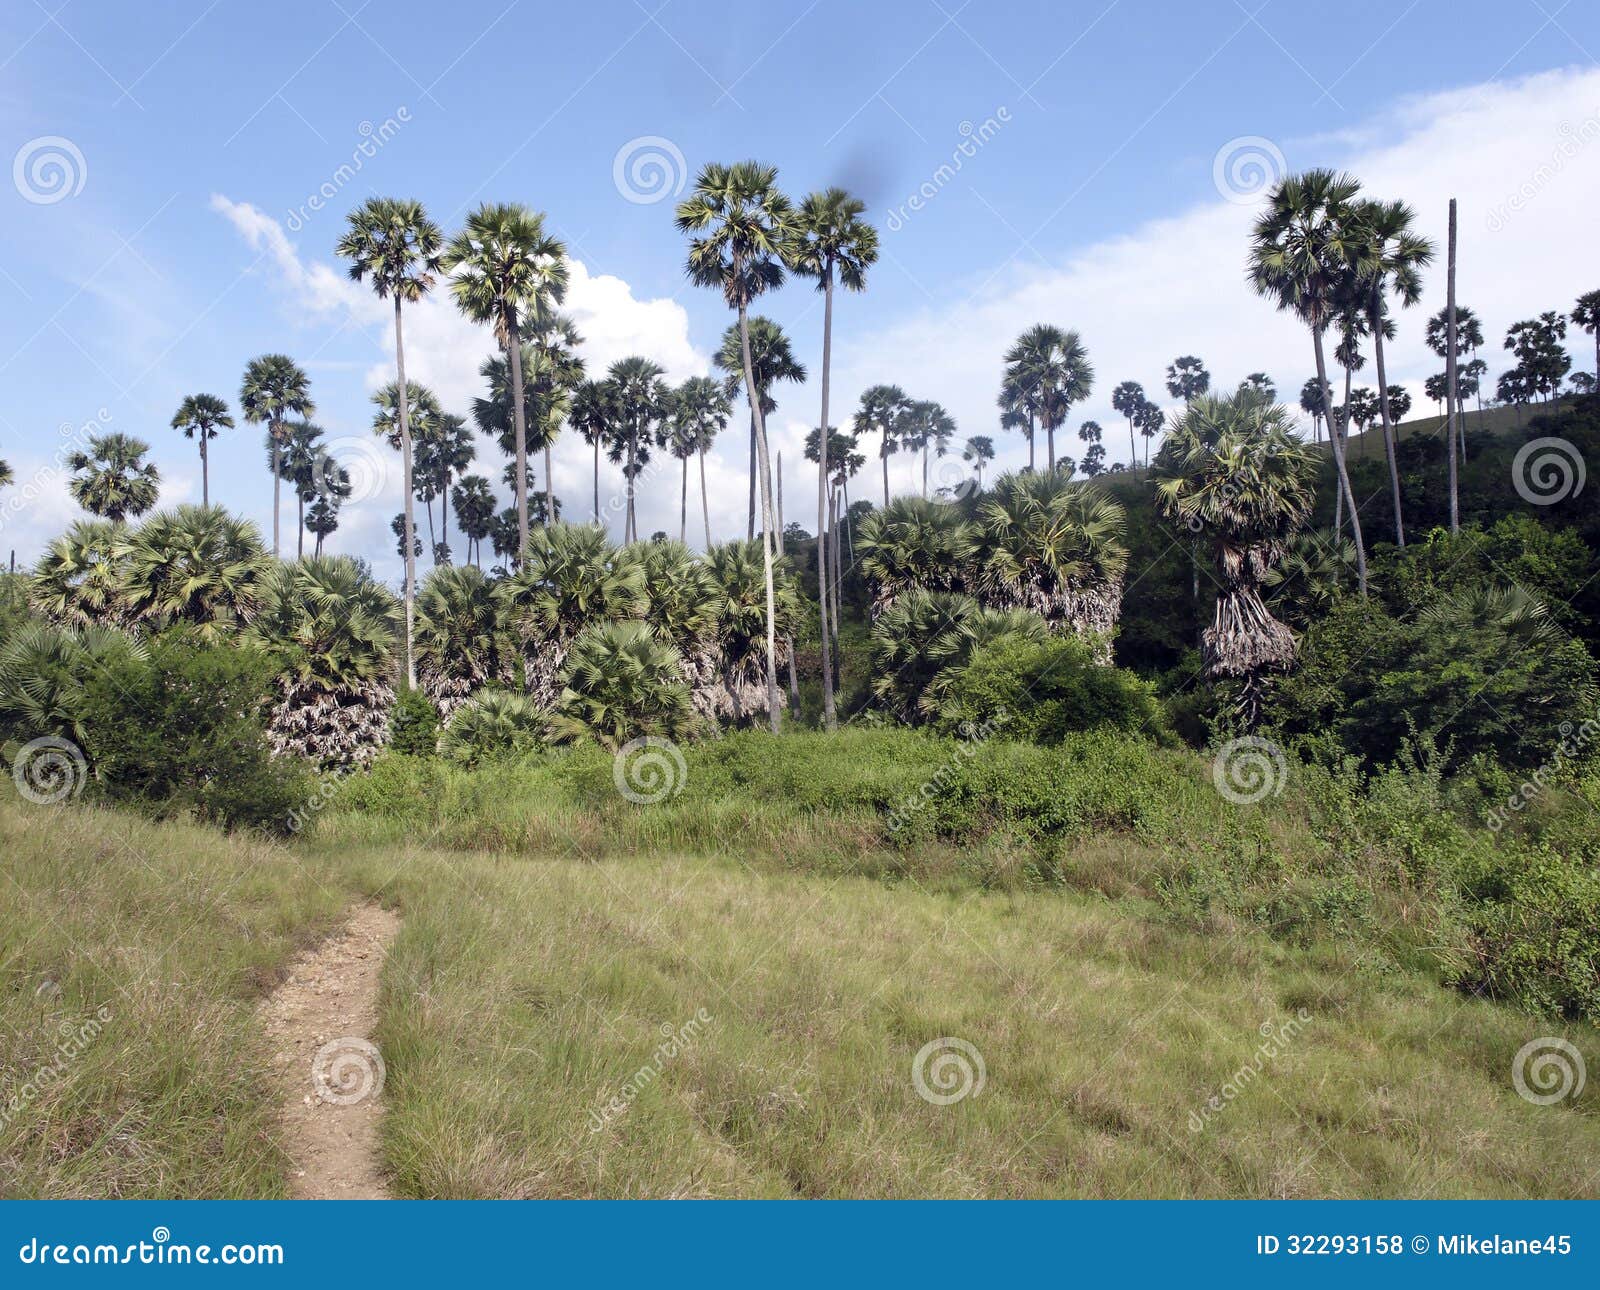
[(666, 1025)]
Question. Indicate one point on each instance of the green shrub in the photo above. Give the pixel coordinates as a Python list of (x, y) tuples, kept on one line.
[(495, 723), (414, 725), (181, 732), (1042, 691)]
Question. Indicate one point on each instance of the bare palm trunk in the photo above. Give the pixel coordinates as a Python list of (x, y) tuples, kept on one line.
[(444, 509), (549, 489), (300, 520), (788, 638), (885, 457), (750, 523), (629, 526), (758, 424), (519, 424), (1338, 460), (830, 716), (1031, 432), (683, 503), (405, 469), (597, 479), (1050, 447), (1340, 429), (1133, 452), (705, 506), (205, 474), (1451, 401), (277, 449), (1388, 432)]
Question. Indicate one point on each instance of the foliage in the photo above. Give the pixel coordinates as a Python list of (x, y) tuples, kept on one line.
[(622, 682), (493, 723), (414, 724)]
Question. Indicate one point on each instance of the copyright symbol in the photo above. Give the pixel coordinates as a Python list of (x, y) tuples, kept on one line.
[(1419, 1244)]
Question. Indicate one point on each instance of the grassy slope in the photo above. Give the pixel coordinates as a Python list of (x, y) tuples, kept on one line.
[(524, 992)]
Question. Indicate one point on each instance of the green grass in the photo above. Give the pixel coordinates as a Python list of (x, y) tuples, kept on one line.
[(526, 990)]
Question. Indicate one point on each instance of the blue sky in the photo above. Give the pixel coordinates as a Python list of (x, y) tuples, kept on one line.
[(198, 132)]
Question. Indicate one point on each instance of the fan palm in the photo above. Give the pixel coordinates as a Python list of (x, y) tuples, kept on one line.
[(461, 646), (43, 670), (1187, 378), (195, 565), (831, 241), (274, 390), (493, 723), (571, 575), (1051, 370), (980, 452), (1233, 470), (739, 691), (903, 638), (914, 544), (475, 508), (332, 630), (740, 228), (644, 402), (112, 479), (927, 424), (882, 413), (622, 683), (1308, 579), (700, 412), (301, 460), (1128, 399), (507, 271), (1054, 548), (78, 580), (199, 416), (772, 360), (594, 414)]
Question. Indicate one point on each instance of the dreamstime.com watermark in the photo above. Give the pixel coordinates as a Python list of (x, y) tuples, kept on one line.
[(48, 170), (649, 769), (973, 140), (1548, 1070), (1574, 740), (675, 1041), (1573, 140), (159, 1250), (1249, 770), (948, 1070), (1276, 1037), (373, 139), (973, 738), (1548, 470), (76, 1037)]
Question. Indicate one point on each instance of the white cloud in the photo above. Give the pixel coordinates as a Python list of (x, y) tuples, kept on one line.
[(1520, 157)]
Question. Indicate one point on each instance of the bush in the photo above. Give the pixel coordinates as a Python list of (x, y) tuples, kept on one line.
[(181, 732), (414, 727), (496, 723), (1041, 691)]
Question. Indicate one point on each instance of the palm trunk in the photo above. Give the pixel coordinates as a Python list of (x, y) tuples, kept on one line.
[(405, 468), (1030, 441), (1340, 432), (597, 478), (830, 716), (549, 489), (1388, 431), (205, 474), (1338, 460), (788, 638), (758, 424), (444, 509), (300, 521), (1451, 413), (683, 504), (1133, 451), (885, 458), (277, 448), (629, 526), (519, 423), (750, 524), (705, 505), (924, 471), (1050, 447)]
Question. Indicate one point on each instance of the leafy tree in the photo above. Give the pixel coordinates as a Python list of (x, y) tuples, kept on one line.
[(112, 479), (199, 416)]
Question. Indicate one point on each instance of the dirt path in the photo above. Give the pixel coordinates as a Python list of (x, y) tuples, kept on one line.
[(319, 1023)]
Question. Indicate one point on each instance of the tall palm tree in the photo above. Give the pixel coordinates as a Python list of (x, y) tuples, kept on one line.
[(772, 360), (300, 461), (1304, 251), (554, 374), (1312, 405), (882, 413), (924, 424), (461, 644), (831, 240), (333, 486), (740, 227), (199, 416), (1053, 367), (274, 390), (78, 580), (1586, 316), (700, 412), (742, 684), (1233, 470), (507, 271), (112, 479), (475, 508), (1128, 399), (195, 565), (442, 455), (1187, 378), (1016, 411), (394, 243), (1151, 420), (1398, 254), (644, 402), (980, 452), (593, 414)]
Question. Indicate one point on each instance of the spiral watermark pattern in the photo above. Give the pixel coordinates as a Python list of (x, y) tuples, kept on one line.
[(952, 481), (948, 1070), (347, 1071), (1246, 169), (49, 770), (1249, 770), (48, 170), (649, 169), (648, 770), (1547, 471), (353, 461), (1548, 1070)]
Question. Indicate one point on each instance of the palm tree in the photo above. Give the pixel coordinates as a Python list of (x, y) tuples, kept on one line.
[(882, 413), (493, 723), (507, 271), (273, 391), (644, 402), (1056, 549), (461, 644), (1305, 250), (1586, 316), (843, 462), (1398, 255), (1151, 420), (925, 423), (333, 487), (199, 416), (1016, 411), (1469, 339), (1260, 385), (593, 414), (1128, 399), (831, 239), (300, 460), (1233, 470), (112, 479), (1187, 378), (739, 687), (700, 412), (442, 455), (474, 500), (1312, 404), (622, 683), (741, 226), (1052, 367), (772, 359), (195, 565), (78, 580), (980, 452), (1308, 579), (915, 544)]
